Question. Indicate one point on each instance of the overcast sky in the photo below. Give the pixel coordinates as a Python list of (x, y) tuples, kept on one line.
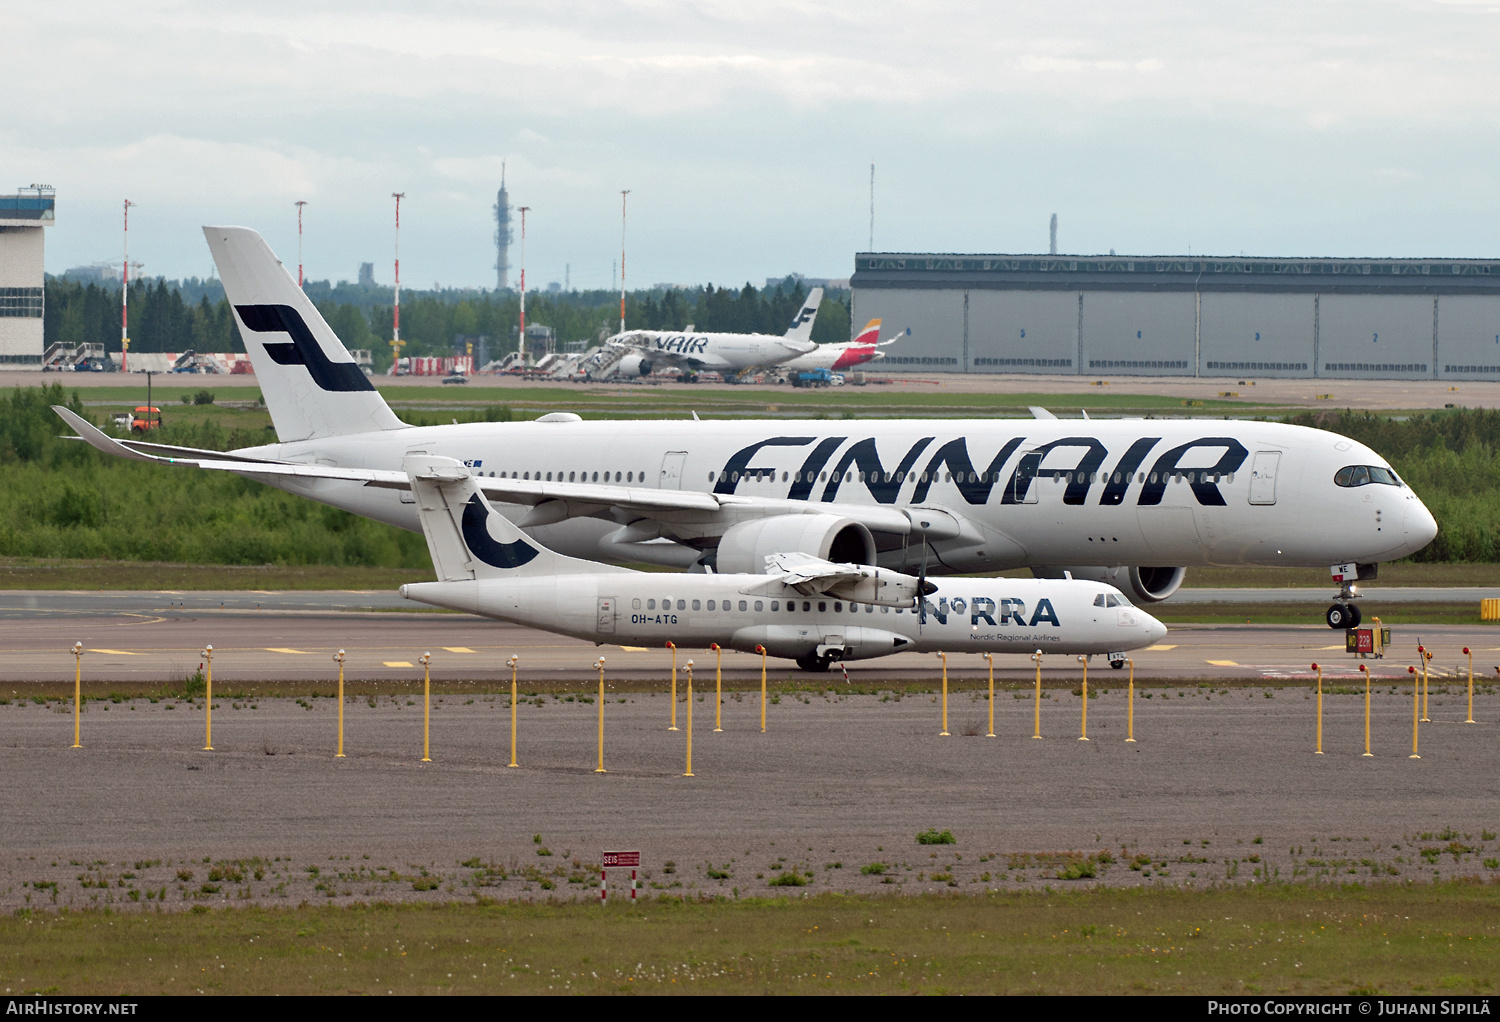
[(745, 131)]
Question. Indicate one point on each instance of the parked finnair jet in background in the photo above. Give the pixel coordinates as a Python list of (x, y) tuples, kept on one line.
[(649, 350), (1133, 501), (844, 355), (800, 607)]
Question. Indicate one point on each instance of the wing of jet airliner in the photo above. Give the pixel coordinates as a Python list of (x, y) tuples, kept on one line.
[(550, 502)]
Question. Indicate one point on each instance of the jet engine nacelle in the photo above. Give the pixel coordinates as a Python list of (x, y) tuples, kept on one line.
[(744, 548), (634, 365), (1147, 585)]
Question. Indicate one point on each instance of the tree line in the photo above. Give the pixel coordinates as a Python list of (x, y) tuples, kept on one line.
[(432, 323)]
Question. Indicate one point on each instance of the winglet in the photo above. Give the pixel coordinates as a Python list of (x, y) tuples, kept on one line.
[(1038, 412), (98, 439)]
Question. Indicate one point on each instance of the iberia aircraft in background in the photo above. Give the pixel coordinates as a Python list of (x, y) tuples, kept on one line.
[(847, 355)]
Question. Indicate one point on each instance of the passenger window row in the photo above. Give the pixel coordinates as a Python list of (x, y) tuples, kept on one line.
[(570, 477), (724, 606), (1180, 475)]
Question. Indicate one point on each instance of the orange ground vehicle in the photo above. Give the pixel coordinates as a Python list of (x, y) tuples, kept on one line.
[(146, 417)]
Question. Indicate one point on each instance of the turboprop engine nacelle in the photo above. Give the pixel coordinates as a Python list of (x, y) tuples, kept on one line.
[(743, 548), (1149, 585)]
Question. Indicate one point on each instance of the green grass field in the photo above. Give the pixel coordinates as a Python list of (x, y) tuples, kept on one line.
[(1391, 939)]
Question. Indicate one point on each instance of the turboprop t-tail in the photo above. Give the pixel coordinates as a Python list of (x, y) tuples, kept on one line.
[(803, 608)]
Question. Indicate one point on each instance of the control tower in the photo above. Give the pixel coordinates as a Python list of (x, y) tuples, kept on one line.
[(22, 219), (503, 235)]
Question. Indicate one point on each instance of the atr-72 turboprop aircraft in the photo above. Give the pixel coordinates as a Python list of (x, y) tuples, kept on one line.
[(797, 606), (1125, 499)]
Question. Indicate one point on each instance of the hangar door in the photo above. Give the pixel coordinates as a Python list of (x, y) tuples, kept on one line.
[(1263, 477)]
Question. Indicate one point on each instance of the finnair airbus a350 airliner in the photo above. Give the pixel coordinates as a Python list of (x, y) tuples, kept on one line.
[(1118, 500)]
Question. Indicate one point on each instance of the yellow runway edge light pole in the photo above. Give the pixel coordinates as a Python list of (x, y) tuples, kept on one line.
[(426, 661), (1320, 709), (338, 658), (511, 663), (1083, 732), (1366, 672), (77, 652), (1037, 717), (718, 687), (1470, 655), (599, 665), (1416, 699), (762, 651), (1426, 656), (990, 659), (944, 658), (208, 702), (1130, 703), (689, 772), (673, 647)]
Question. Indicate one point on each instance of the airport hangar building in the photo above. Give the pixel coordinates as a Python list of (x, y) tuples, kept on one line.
[(1186, 316)]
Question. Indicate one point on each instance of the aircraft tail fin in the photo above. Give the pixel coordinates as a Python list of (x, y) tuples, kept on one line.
[(467, 538), (870, 334), (310, 382), (802, 323)]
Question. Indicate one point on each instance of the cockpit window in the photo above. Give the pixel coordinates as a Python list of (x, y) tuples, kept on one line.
[(1099, 600), (1114, 601), (1363, 475)]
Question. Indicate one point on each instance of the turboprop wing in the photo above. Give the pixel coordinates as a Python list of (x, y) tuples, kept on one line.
[(858, 583)]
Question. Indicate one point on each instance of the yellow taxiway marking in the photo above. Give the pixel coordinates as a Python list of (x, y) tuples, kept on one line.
[(1340, 646), (283, 649), (115, 652), (1223, 663), (1149, 648), (634, 649), (397, 663), (458, 649)]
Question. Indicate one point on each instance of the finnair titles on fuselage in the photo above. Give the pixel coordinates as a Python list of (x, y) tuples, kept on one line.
[(694, 351), (1128, 500)]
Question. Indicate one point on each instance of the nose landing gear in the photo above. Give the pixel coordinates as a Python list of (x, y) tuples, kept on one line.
[(1344, 613)]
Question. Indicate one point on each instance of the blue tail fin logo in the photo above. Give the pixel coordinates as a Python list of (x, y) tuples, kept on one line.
[(304, 349), (484, 546)]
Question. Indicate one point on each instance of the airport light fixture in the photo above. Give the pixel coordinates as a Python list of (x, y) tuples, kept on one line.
[(125, 296), (521, 342), (77, 652), (396, 324), (623, 193), (299, 204)]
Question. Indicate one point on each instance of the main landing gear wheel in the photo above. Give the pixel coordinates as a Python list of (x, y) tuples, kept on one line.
[(813, 662), (1343, 615)]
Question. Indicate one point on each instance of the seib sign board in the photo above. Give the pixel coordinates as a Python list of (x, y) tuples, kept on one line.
[(613, 860)]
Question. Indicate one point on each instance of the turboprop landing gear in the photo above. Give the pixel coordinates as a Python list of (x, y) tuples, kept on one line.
[(815, 663), (1117, 660)]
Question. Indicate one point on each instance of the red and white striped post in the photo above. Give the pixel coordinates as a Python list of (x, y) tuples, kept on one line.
[(300, 204), (125, 296), (396, 323)]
